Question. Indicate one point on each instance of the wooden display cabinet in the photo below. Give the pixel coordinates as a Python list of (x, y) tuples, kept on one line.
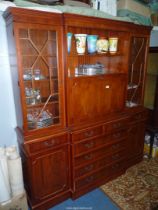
[(75, 131), (38, 84)]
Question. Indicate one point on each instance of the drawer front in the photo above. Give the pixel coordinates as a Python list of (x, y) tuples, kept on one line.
[(116, 167), (88, 157), (105, 173), (47, 143), (91, 156), (89, 180), (117, 146), (118, 135), (87, 133), (116, 125), (90, 144), (101, 163), (138, 117)]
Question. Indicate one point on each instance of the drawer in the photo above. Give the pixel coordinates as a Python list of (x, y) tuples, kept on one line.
[(138, 117), (90, 144), (116, 168), (118, 135), (81, 171), (87, 133), (91, 179), (116, 125), (117, 146), (47, 143), (91, 156)]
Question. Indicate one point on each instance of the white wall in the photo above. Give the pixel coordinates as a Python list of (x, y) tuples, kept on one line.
[(7, 110)]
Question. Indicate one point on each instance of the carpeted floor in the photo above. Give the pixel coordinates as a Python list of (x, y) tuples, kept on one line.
[(137, 189), (95, 200)]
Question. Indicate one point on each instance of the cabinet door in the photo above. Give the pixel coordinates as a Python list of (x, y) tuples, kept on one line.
[(50, 173), (137, 71), (135, 141), (91, 98), (40, 75)]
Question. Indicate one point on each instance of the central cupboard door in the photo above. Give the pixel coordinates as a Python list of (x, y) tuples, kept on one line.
[(93, 97)]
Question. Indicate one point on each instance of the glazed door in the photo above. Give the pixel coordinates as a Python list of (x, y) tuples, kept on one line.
[(137, 71), (91, 98), (50, 173), (40, 75)]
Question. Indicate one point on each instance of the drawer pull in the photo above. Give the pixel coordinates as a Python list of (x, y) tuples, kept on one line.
[(89, 179), (116, 135), (89, 168), (116, 146), (115, 157), (49, 143), (89, 145), (89, 133), (115, 166), (138, 117), (88, 157), (117, 125)]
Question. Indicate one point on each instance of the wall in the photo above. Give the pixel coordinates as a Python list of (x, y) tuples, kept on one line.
[(7, 111)]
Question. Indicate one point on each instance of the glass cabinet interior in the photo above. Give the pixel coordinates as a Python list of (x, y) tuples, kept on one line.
[(38, 49)]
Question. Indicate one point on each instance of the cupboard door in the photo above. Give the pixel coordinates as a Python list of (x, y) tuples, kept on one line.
[(91, 98), (137, 71), (40, 75), (50, 173), (135, 141)]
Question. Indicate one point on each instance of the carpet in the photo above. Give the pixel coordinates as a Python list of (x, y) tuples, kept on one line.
[(137, 189), (94, 200)]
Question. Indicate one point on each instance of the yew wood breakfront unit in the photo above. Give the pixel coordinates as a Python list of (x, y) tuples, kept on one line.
[(75, 131)]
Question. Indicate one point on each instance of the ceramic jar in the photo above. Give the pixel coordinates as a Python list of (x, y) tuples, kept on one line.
[(102, 45), (91, 43), (113, 42), (69, 37), (80, 43)]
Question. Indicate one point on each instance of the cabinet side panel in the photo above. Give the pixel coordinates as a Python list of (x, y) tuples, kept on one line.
[(14, 74)]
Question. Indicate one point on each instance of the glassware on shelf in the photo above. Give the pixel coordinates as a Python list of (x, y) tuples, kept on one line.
[(90, 69), (32, 96), (38, 118), (37, 74), (132, 86), (80, 43), (131, 104), (27, 74)]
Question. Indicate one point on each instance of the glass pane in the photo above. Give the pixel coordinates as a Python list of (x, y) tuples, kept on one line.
[(40, 77), (136, 75)]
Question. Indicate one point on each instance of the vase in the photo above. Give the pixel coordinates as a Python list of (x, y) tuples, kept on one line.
[(113, 42), (102, 45), (69, 37), (80, 43), (91, 43)]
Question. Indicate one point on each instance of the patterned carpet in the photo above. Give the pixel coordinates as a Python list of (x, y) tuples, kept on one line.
[(137, 189)]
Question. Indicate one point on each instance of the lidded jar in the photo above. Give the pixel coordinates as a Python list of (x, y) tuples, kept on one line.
[(102, 45)]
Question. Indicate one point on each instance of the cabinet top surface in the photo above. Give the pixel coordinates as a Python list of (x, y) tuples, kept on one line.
[(72, 19)]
